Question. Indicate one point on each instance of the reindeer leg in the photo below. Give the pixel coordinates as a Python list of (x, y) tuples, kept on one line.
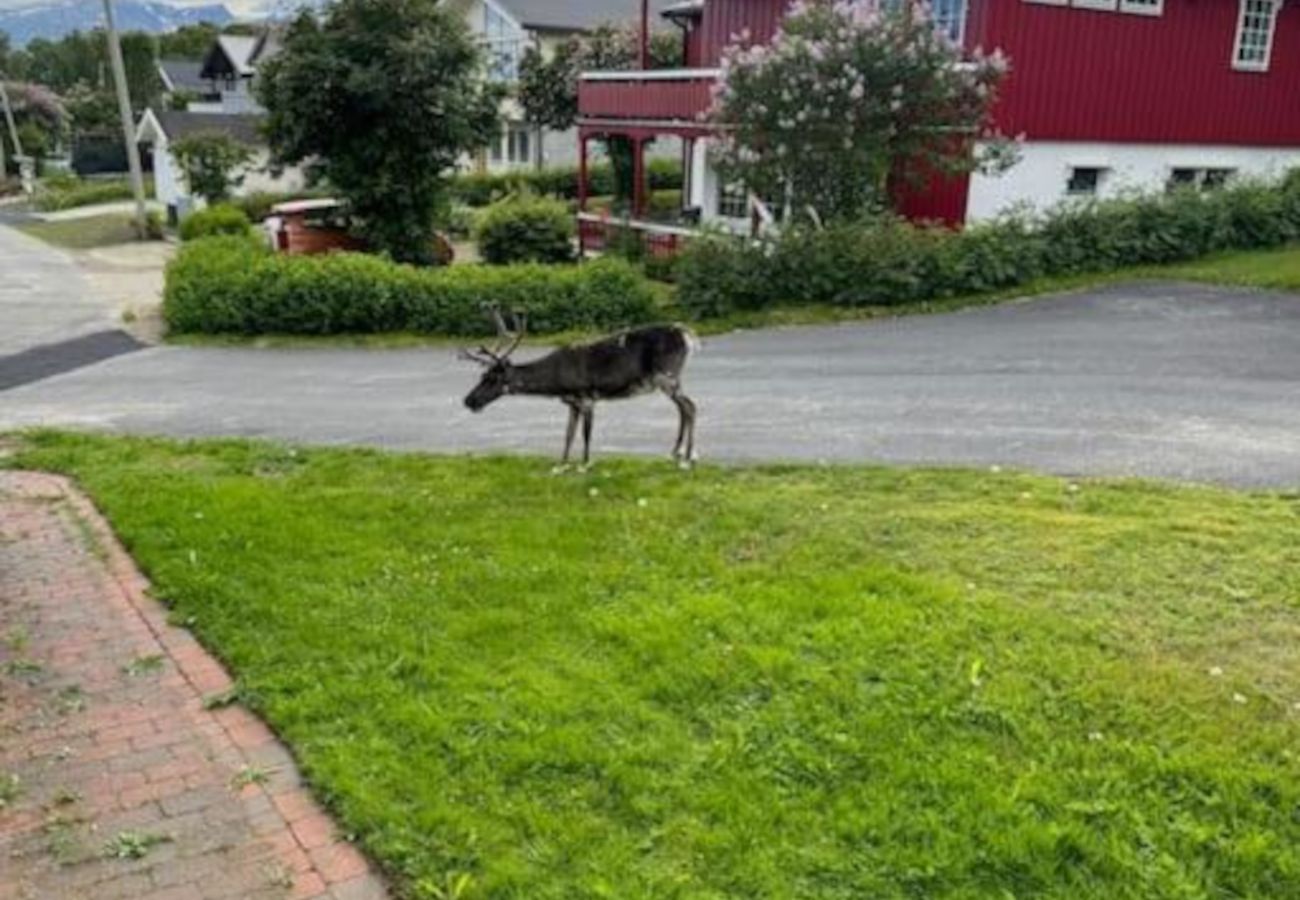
[(687, 407), (569, 432), (588, 413), (673, 392)]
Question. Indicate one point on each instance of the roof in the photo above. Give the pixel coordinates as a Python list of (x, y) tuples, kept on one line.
[(182, 75), (235, 52), (176, 124), (684, 9), (566, 15), (298, 207), (268, 45)]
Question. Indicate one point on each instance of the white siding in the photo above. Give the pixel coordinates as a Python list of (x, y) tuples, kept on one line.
[(1039, 179)]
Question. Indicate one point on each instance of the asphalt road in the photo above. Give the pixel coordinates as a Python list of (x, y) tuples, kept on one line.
[(1166, 380)]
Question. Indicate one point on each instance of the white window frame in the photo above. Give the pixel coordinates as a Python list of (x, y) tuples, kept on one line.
[(963, 10), (1102, 5), (1103, 173), (1139, 8), (1255, 65)]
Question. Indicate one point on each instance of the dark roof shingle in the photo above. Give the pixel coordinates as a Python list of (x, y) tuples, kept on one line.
[(176, 124)]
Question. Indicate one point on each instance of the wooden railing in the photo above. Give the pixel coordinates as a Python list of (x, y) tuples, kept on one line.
[(597, 232), (679, 95)]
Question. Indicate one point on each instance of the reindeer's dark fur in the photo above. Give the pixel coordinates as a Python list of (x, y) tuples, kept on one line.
[(613, 368)]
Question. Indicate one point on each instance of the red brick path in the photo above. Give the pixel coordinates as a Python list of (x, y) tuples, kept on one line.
[(102, 725)]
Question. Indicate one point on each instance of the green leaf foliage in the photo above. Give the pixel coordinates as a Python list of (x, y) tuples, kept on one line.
[(526, 229), (888, 261), (236, 285), (212, 162), (220, 219), (382, 98)]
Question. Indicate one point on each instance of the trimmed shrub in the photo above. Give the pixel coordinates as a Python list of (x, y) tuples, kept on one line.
[(893, 262), (221, 218), (526, 229), (64, 191), (236, 285)]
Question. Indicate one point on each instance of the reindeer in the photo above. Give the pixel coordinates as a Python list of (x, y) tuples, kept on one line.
[(622, 365)]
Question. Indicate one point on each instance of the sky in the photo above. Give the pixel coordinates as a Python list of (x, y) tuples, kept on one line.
[(238, 7)]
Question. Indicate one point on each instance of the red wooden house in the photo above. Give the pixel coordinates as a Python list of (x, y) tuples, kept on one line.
[(1110, 95)]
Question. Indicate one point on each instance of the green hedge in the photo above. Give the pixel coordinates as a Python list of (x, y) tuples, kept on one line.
[(235, 285), (68, 193), (894, 262), (219, 219), (526, 228), (561, 182)]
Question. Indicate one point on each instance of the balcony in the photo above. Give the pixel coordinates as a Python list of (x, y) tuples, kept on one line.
[(669, 97)]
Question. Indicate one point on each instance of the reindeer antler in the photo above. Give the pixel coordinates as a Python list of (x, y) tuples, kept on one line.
[(507, 341)]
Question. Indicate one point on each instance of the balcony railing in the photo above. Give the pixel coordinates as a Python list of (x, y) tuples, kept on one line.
[(677, 95)]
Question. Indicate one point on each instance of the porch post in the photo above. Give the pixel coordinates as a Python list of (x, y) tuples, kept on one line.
[(638, 177), (582, 172), (645, 34), (688, 175)]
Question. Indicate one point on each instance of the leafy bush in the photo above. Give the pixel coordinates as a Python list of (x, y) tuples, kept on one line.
[(235, 285), (892, 262), (219, 219), (562, 182), (526, 229)]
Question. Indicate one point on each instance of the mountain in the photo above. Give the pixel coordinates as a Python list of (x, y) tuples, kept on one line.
[(55, 18)]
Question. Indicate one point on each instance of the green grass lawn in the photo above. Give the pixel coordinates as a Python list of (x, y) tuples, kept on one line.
[(84, 234), (750, 682)]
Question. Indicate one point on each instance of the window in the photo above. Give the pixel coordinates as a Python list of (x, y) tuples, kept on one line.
[(1142, 7), (1254, 43), (504, 44), (1216, 178), (1084, 181), (950, 18), (1137, 7), (1202, 179), (514, 145), (733, 201)]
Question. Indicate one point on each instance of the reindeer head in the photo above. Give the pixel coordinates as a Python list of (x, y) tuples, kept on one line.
[(496, 379)]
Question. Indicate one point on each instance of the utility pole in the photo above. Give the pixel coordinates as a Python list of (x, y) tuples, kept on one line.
[(24, 172), (128, 123)]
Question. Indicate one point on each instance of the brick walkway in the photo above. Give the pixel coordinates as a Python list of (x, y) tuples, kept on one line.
[(106, 751)]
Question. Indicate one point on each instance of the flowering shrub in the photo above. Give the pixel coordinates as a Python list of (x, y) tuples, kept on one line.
[(846, 97)]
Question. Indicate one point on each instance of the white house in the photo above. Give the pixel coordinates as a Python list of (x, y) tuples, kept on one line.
[(223, 103), (509, 27)]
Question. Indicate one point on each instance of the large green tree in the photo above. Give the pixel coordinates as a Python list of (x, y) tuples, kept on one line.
[(381, 98)]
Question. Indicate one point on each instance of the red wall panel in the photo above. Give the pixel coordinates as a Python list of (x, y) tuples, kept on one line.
[(1085, 75), (724, 18)]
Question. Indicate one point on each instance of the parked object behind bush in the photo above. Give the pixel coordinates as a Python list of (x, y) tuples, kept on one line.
[(220, 219), (526, 229), (235, 285), (892, 262)]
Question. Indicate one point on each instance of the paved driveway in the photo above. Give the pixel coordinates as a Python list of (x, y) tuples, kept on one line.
[(43, 297), (1164, 380)]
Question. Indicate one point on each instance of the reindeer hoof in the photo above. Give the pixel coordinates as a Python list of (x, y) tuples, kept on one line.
[(685, 464)]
